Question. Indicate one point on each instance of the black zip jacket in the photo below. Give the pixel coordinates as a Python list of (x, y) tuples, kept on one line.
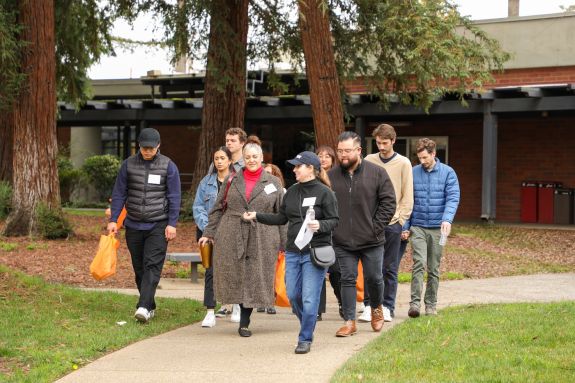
[(292, 212), (366, 204)]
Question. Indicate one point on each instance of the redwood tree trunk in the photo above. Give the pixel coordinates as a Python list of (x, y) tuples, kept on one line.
[(32, 121), (321, 71), (224, 100), (5, 151)]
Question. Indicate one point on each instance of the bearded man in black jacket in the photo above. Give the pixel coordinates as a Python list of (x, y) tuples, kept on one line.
[(366, 204)]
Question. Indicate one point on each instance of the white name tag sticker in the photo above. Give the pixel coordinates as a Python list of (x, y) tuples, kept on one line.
[(309, 201), (154, 179), (270, 188)]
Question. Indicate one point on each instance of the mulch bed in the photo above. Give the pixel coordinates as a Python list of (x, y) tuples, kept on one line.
[(68, 261)]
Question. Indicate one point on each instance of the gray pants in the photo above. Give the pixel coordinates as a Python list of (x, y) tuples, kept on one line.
[(426, 255)]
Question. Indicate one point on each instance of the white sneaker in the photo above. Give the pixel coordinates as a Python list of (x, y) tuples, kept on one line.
[(386, 315), (142, 315), (360, 307), (152, 314), (235, 317), (209, 320), (365, 316)]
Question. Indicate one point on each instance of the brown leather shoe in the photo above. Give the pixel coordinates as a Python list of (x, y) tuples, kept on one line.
[(348, 330), (377, 318)]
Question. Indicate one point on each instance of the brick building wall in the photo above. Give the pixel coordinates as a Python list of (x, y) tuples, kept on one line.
[(510, 77), (532, 149)]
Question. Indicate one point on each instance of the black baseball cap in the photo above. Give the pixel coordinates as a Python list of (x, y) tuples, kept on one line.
[(306, 158), (149, 138)]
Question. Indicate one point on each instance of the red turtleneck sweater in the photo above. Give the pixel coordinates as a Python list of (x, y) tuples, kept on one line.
[(251, 179)]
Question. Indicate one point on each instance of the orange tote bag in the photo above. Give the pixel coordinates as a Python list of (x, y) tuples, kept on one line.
[(104, 263), (359, 283), (280, 282)]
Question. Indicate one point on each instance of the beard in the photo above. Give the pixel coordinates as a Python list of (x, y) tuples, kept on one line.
[(350, 163)]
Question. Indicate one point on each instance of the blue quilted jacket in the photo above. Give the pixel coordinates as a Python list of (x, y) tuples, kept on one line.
[(435, 196)]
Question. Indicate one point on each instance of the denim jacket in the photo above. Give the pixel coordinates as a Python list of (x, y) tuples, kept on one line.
[(205, 199)]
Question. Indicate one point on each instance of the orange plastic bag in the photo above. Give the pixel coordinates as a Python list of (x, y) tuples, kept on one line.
[(280, 282), (121, 218), (104, 263), (359, 283)]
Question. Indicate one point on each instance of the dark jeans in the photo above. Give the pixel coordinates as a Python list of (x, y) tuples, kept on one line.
[(391, 259), (148, 252), (334, 277), (209, 297), (372, 260)]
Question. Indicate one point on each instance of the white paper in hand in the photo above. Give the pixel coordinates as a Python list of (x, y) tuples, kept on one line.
[(304, 235)]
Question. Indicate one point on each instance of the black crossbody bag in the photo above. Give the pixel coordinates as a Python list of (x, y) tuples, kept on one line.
[(322, 256)]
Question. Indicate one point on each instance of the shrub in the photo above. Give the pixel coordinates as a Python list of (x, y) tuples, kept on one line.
[(68, 177), (101, 172), (51, 223), (5, 198)]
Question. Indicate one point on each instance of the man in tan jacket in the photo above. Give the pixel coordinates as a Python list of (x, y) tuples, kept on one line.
[(400, 172)]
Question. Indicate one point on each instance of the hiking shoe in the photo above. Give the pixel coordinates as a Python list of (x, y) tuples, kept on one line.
[(236, 312), (244, 332), (222, 312), (430, 311), (142, 315), (387, 314), (365, 317), (271, 310), (413, 312), (209, 320), (303, 347)]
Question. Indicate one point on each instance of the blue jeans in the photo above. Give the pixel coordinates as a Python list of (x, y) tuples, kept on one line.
[(304, 281)]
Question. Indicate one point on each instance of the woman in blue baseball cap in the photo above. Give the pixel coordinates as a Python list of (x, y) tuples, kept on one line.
[(304, 280)]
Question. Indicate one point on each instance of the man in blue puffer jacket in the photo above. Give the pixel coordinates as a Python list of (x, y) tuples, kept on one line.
[(436, 197)]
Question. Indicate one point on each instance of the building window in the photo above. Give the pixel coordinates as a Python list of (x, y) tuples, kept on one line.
[(406, 146), (113, 140)]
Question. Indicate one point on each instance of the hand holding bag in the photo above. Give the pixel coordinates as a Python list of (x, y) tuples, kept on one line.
[(322, 256)]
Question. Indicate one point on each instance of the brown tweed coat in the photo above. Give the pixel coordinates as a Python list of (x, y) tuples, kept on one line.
[(245, 253)]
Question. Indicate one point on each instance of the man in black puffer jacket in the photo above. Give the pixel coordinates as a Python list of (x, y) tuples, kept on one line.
[(366, 204), (149, 186)]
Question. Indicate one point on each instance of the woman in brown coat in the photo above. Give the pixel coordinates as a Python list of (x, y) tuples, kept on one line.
[(245, 252)]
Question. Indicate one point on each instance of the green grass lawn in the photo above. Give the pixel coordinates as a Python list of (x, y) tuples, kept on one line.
[(477, 343), (85, 212), (50, 330)]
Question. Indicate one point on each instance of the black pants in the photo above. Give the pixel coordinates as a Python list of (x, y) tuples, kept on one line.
[(391, 259), (372, 260), (209, 297), (334, 277), (245, 314), (148, 251)]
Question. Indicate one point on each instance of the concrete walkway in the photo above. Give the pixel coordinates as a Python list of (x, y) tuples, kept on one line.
[(219, 354)]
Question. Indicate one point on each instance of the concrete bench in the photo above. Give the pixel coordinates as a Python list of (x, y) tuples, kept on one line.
[(193, 258)]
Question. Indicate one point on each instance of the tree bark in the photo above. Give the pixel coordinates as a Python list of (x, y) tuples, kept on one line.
[(32, 121), (5, 151), (224, 100), (322, 76)]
